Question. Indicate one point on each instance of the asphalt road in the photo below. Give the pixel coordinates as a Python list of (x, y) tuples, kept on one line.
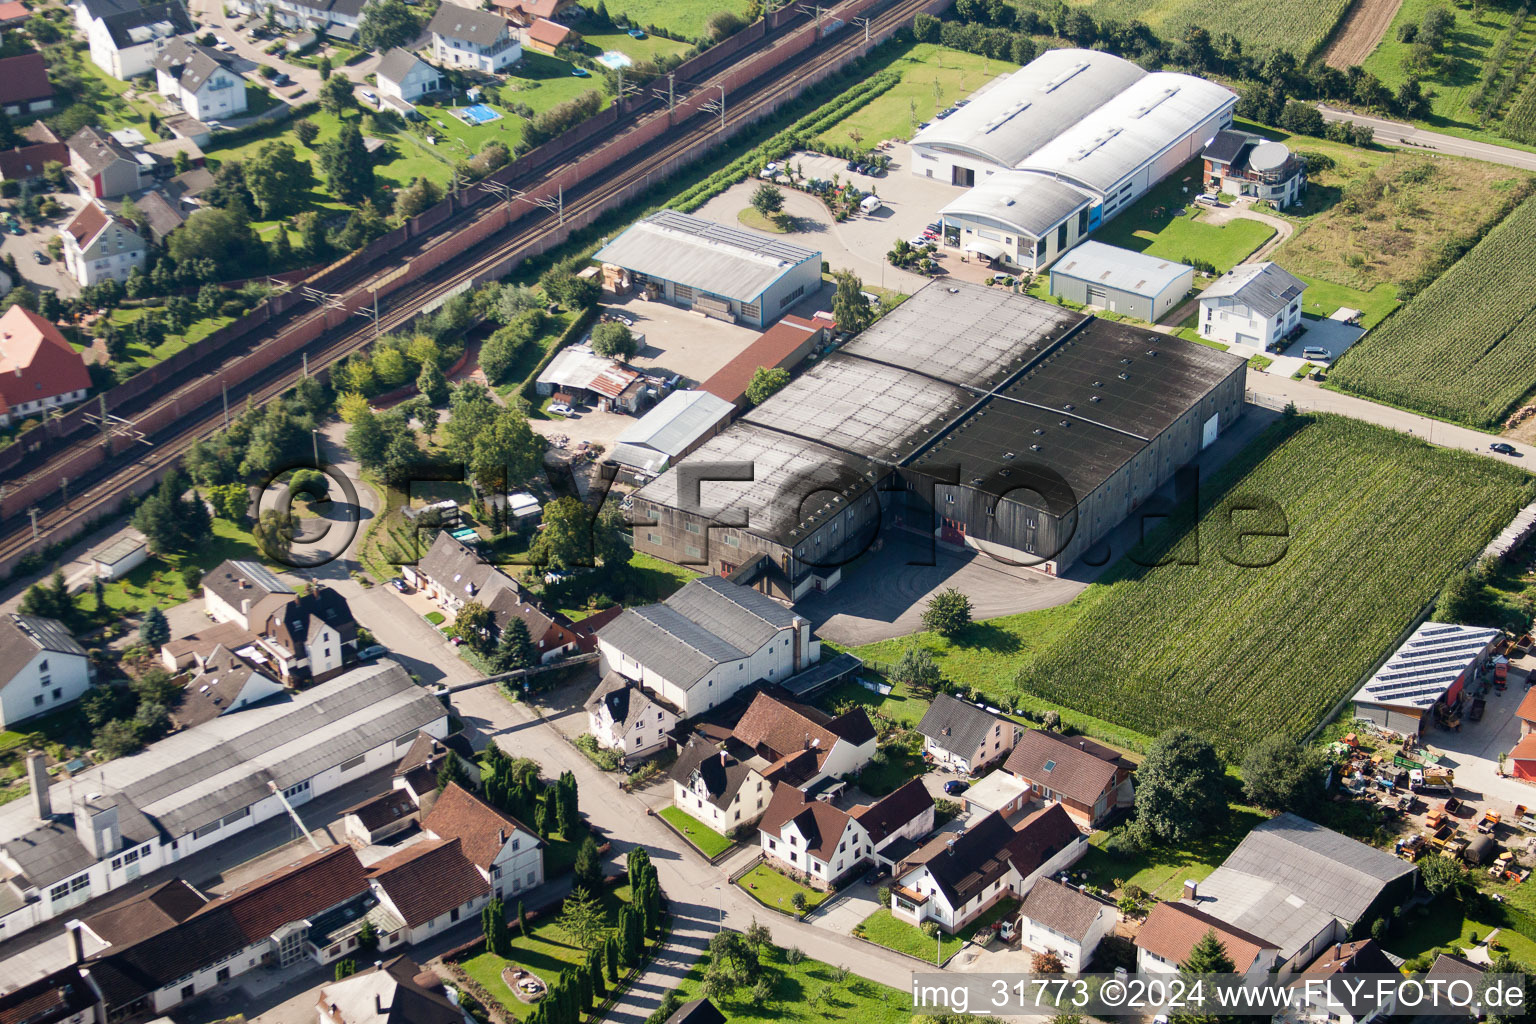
[(1406, 136)]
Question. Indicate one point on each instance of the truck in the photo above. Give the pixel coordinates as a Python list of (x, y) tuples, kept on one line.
[(1431, 780)]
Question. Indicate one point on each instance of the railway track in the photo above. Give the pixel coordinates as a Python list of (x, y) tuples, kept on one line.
[(77, 504)]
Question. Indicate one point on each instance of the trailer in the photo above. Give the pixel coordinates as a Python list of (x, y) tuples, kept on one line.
[(1479, 705), (1489, 822)]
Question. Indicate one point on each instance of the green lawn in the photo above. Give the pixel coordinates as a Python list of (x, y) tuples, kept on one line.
[(1444, 924), (899, 766), (539, 80), (1153, 225), (173, 343), (1323, 298), (547, 950), (600, 39), (1161, 870), (703, 838), (158, 581), (686, 18), (100, 90), (883, 929), (646, 580), (932, 78), (808, 992), (773, 889)]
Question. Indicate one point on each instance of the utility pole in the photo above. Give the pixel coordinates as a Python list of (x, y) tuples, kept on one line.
[(865, 23), (813, 9), (226, 401), (305, 356), (315, 436), (555, 204), (32, 512), (64, 488), (714, 105)]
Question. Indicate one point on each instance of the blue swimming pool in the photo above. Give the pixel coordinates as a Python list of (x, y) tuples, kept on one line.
[(479, 114)]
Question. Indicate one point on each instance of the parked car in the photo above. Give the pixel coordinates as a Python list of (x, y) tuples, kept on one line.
[(376, 651), (561, 409), (398, 584), (1315, 353), (39, 258), (1502, 448), (853, 165), (1206, 199), (954, 787)]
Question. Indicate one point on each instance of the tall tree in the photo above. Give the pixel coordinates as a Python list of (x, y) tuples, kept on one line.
[(387, 24), (452, 773), (849, 307), (274, 532), (582, 919), (278, 180), (476, 625), (515, 648), (348, 167), (155, 630), (1282, 775), (587, 872), (1180, 789)]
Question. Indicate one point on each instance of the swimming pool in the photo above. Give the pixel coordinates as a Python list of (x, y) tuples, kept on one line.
[(614, 59), (478, 114), (467, 533)]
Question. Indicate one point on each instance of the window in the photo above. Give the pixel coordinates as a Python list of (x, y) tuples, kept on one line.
[(653, 538), (515, 844), (296, 789), (453, 915), (37, 701), (533, 877), (772, 845), (57, 692), (1061, 237), (731, 542), (351, 763), (1049, 765), (42, 666), (692, 550), (222, 976), (188, 991), (691, 527)]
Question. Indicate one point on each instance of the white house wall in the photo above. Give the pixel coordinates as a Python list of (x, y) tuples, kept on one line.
[(27, 695)]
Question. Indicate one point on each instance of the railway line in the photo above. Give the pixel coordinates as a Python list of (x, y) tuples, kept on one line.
[(76, 503)]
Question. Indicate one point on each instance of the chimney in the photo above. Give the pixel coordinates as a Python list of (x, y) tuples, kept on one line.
[(37, 778), (76, 943), (1191, 890), (1338, 951), (501, 834), (949, 847)]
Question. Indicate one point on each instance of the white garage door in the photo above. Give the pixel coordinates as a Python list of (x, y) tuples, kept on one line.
[(1212, 428)]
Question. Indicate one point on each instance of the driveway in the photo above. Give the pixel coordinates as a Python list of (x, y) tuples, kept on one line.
[(851, 906), (1474, 752), (36, 239)]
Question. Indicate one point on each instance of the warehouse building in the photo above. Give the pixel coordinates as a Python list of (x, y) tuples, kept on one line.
[(1425, 675), (728, 273), (783, 346), (1061, 146), (1121, 281), (680, 423), (999, 422)]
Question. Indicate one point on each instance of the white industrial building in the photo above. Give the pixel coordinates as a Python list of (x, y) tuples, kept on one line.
[(1254, 304), (725, 272), (105, 827), (680, 423), (1121, 281), (1071, 123)]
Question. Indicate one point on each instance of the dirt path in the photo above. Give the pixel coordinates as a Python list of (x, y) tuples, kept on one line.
[(1364, 27)]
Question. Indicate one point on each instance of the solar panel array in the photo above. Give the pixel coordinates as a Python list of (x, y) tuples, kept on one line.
[(1421, 671)]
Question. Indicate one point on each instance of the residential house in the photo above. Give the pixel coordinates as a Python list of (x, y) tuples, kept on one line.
[(313, 636), (406, 76), (14, 13), (199, 786), (24, 87), (465, 38), (191, 653), (548, 36), (430, 886), (65, 996), (552, 633), (452, 572), (379, 817), (42, 667), (954, 878), (87, 11), (962, 736), (104, 168), (825, 843), (707, 642), (1318, 1001), (27, 163), (524, 12), (1089, 779), (508, 854), (1303, 887), (417, 771), (228, 681), (1253, 304), (339, 19), (1243, 164), (161, 214), (1172, 930), (697, 1011), (621, 716), (39, 370), (200, 79), (776, 729), (276, 920), (998, 792), (1056, 918), (125, 42), (245, 592), (716, 788), (394, 991), (100, 246)]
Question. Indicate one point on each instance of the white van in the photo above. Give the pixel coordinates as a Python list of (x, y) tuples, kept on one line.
[(1315, 354), (869, 204)]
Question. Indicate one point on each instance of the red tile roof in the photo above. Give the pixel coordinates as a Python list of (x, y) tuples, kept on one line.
[(24, 78), (428, 880), (302, 889), (779, 729), (484, 830), (1525, 750), (784, 344), (1172, 930), (1080, 769), (87, 224), (35, 360), (548, 32), (27, 162), (12, 10), (1527, 708)]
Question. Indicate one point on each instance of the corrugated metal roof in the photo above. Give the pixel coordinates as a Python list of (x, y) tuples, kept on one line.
[(1029, 203), (1267, 287), (1017, 116), (731, 262), (674, 425), (1120, 269), (1424, 667), (577, 366), (1109, 145)]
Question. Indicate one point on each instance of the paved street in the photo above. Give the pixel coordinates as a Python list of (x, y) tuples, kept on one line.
[(1406, 136)]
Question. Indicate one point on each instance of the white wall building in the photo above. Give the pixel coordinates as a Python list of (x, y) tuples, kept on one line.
[(99, 246), (42, 667), (1057, 918), (1253, 304), (125, 43), (406, 76), (466, 38), (200, 80), (1121, 281), (430, 886), (508, 854), (621, 716)]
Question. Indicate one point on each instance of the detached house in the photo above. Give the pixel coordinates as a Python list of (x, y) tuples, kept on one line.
[(245, 592), (960, 735), (1088, 779), (777, 729), (1323, 1003), (125, 42), (717, 788), (42, 667), (953, 879), (298, 637), (452, 572), (465, 38), (623, 717), (38, 368), (24, 87), (200, 79), (1057, 918), (394, 991), (104, 168), (824, 843), (406, 76), (508, 854), (1255, 304), (1172, 931), (99, 246)]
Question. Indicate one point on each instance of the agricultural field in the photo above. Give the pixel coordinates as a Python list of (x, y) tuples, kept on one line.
[(1465, 348), (932, 78), (1274, 644), (1467, 96), (686, 18), (1300, 26)]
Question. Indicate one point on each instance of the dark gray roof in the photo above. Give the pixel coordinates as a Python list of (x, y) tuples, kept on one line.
[(396, 64), (102, 8), (462, 571), (142, 24), (625, 700), (956, 725), (98, 149), (1228, 145), (699, 1011), (163, 215), (479, 27), (722, 773), (23, 636), (49, 852), (1061, 908), (191, 64), (1266, 287), (709, 622)]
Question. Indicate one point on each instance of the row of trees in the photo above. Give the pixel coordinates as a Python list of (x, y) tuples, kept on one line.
[(513, 785)]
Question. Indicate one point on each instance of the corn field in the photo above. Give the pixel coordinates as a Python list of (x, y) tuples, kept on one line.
[(1376, 522), (1464, 348), (1298, 26)]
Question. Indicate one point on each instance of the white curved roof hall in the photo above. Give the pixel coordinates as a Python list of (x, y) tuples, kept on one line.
[(1029, 203), (1032, 106), (1129, 130)]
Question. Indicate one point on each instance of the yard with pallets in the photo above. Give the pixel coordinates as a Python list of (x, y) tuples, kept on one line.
[(1299, 26), (1465, 348)]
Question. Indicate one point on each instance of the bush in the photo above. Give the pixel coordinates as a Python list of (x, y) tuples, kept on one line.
[(607, 760)]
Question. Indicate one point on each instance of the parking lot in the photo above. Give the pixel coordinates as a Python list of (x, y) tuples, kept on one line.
[(50, 275)]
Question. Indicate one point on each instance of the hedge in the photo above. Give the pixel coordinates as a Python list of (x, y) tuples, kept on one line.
[(577, 328)]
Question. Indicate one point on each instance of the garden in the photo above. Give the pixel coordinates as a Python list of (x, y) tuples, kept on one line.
[(699, 835), (1166, 223), (928, 941), (777, 891)]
